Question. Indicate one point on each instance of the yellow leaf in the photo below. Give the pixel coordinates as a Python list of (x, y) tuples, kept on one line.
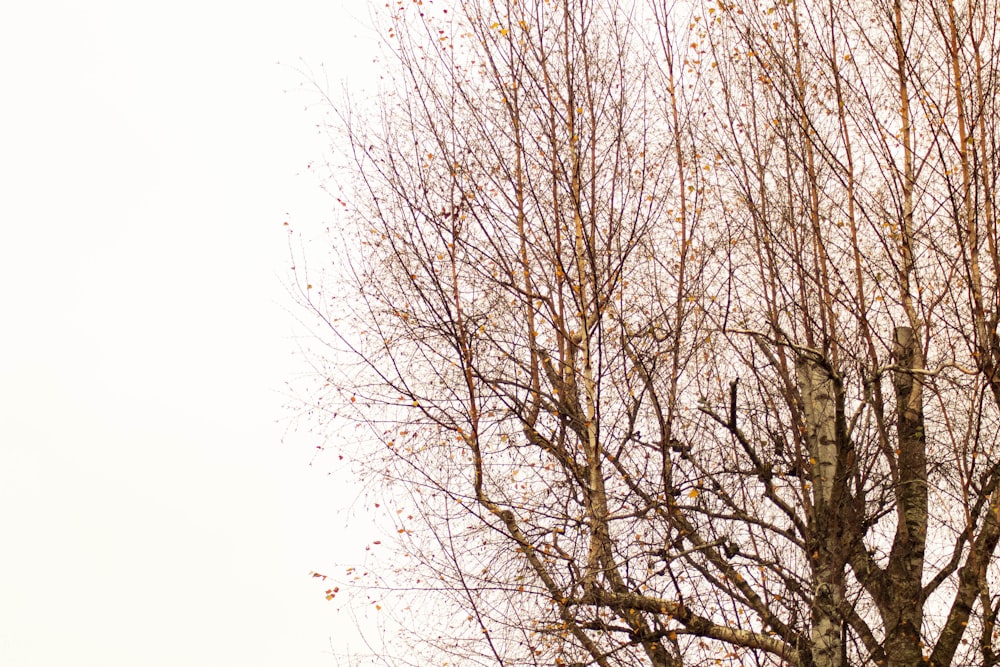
[(694, 493)]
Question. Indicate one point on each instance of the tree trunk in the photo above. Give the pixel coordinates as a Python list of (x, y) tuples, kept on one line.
[(825, 552), (904, 607)]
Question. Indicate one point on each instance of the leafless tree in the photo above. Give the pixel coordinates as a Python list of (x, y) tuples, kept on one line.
[(677, 325)]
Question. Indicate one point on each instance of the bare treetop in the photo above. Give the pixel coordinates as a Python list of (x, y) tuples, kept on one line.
[(677, 324)]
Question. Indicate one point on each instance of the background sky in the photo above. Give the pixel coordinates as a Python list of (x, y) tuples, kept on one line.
[(154, 508)]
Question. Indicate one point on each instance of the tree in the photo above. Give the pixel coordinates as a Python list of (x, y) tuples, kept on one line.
[(678, 325)]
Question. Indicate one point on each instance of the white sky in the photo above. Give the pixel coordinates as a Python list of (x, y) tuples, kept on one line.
[(150, 513)]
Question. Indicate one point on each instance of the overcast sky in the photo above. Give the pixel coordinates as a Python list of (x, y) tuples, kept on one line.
[(153, 510)]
